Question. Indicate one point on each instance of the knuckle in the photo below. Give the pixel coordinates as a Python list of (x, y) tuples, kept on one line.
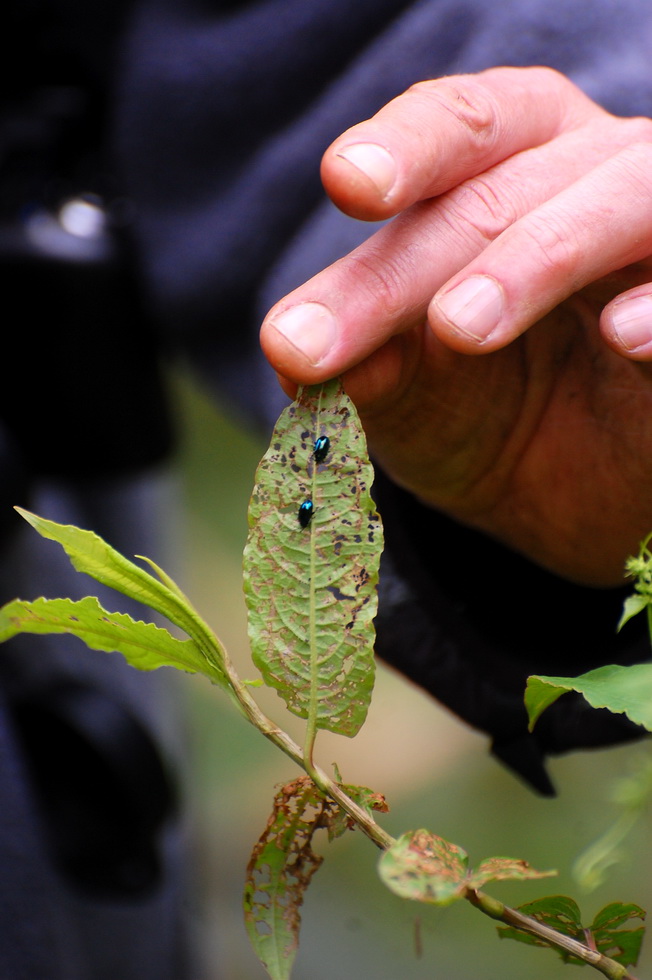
[(463, 97), (632, 171), (381, 278), (553, 238), (478, 206)]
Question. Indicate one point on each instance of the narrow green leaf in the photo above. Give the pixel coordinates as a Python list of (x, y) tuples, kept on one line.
[(279, 871), (143, 645), (90, 554), (165, 579), (504, 869), (311, 591), (633, 605), (424, 868), (626, 690)]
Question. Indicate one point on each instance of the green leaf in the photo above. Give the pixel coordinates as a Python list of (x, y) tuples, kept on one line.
[(604, 934), (90, 554), (622, 945), (144, 645), (311, 591), (340, 821), (626, 690), (616, 914), (426, 868), (504, 869), (558, 912), (633, 605), (279, 871)]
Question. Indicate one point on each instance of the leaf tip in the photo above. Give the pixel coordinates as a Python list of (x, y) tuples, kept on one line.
[(30, 517)]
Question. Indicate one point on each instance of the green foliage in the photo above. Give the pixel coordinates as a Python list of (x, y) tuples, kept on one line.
[(622, 690), (639, 568), (605, 934), (311, 591), (367, 799), (90, 554), (625, 690), (310, 586), (279, 871), (282, 865), (426, 868), (143, 645)]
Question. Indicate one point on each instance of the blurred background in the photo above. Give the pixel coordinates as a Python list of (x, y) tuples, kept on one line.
[(434, 771)]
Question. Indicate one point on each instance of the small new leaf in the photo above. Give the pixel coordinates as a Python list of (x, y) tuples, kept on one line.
[(340, 821), (633, 605), (504, 869)]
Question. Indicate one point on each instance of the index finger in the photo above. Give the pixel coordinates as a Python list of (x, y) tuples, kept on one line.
[(441, 132)]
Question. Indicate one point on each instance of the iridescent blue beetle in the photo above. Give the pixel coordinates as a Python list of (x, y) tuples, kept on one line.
[(322, 445), (305, 513)]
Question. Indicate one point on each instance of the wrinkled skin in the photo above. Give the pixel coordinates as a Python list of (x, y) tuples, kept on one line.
[(525, 408)]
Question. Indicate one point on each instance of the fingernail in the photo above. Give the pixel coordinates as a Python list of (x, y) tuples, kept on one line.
[(375, 162), (631, 322), (473, 307), (310, 328)]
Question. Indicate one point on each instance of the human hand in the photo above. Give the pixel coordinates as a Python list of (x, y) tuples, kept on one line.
[(514, 181)]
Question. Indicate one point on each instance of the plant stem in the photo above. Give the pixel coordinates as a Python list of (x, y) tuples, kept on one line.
[(366, 823), (361, 817), (248, 706), (565, 944)]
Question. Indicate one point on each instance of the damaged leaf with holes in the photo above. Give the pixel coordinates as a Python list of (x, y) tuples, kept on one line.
[(280, 869), (426, 868), (605, 934), (311, 587), (340, 821)]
